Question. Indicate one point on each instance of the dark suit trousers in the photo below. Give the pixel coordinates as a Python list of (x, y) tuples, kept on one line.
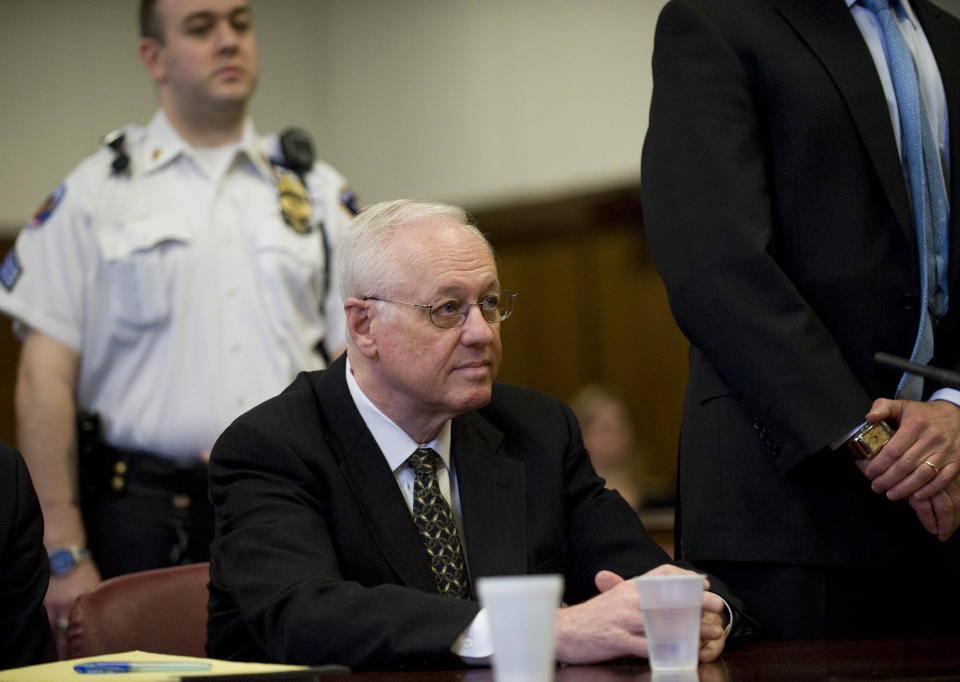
[(834, 602)]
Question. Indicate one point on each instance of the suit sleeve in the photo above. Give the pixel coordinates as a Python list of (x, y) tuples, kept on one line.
[(275, 557), (24, 569), (709, 215)]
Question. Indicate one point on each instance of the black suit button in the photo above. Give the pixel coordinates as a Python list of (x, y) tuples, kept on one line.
[(909, 301)]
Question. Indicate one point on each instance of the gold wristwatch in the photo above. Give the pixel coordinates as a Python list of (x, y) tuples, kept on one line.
[(869, 440)]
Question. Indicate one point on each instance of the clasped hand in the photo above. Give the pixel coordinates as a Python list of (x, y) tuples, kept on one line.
[(920, 462), (611, 626)]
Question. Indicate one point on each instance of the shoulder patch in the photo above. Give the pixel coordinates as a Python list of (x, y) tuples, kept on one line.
[(48, 206), (10, 269), (349, 200)]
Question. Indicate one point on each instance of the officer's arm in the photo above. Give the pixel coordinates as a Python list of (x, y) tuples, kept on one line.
[(46, 434)]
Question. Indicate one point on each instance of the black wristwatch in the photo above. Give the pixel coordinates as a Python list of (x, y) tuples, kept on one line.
[(64, 560), (869, 440)]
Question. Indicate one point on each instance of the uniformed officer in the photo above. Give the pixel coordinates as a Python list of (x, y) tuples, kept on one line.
[(175, 279)]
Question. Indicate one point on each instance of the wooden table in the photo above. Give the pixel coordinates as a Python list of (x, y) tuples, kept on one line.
[(837, 660)]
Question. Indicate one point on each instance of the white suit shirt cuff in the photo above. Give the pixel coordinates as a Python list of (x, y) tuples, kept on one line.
[(475, 645)]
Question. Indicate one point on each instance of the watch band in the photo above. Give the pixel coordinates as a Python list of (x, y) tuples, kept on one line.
[(64, 560), (869, 440)]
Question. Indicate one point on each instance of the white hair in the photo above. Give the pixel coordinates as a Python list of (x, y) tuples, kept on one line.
[(364, 263)]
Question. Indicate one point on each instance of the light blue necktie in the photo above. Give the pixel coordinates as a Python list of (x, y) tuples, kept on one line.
[(927, 188)]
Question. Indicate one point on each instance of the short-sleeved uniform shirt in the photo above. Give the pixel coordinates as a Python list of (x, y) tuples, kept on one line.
[(189, 298)]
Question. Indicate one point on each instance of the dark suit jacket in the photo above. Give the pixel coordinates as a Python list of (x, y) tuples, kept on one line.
[(779, 219), (25, 637), (316, 558)]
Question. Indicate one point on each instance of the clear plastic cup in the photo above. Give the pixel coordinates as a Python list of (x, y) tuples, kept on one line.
[(672, 606)]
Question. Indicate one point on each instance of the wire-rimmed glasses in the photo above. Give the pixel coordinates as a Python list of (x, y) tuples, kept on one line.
[(451, 311)]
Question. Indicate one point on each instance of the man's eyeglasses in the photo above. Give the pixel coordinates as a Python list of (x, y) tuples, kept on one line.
[(450, 311)]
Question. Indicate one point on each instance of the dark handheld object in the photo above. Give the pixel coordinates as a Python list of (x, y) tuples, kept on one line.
[(121, 160), (297, 151), (941, 376), (296, 154)]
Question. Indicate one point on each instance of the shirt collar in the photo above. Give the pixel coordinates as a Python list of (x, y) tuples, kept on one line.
[(163, 144), (904, 6), (393, 441), (255, 150)]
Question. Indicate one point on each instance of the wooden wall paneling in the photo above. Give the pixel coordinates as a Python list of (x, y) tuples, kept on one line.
[(601, 314), (544, 345), (643, 354)]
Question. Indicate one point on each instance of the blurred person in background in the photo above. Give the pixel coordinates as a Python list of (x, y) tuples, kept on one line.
[(608, 435)]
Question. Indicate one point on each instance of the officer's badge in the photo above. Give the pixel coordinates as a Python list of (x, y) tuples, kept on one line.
[(48, 206), (294, 203)]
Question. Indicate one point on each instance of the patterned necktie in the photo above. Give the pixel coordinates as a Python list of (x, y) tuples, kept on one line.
[(927, 188), (437, 527)]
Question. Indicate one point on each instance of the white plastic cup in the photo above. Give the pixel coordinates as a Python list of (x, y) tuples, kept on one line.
[(522, 612), (672, 606)]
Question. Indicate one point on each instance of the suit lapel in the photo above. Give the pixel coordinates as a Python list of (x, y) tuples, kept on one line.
[(493, 499), (380, 501), (492, 488), (830, 31), (938, 29), (371, 481)]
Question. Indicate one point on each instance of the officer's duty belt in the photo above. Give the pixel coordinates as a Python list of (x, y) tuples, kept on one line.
[(117, 470)]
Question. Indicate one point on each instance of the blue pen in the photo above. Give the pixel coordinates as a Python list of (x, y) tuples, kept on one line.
[(99, 667)]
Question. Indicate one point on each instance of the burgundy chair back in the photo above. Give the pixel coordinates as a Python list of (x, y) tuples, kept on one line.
[(162, 611)]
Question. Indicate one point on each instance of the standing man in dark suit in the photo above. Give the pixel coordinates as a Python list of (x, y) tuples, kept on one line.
[(25, 637), (317, 558), (779, 208)]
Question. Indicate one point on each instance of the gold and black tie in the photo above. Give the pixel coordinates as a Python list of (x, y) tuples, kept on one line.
[(437, 527)]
